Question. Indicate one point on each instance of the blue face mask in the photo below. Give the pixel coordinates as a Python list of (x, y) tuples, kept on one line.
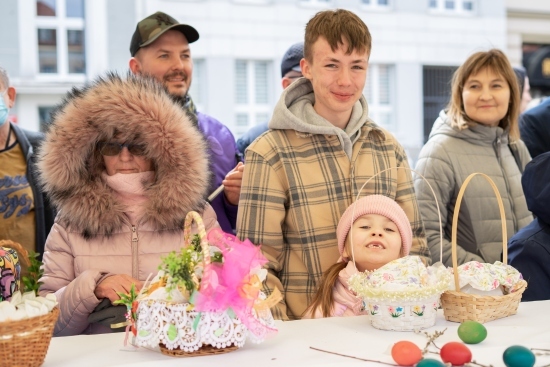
[(4, 110)]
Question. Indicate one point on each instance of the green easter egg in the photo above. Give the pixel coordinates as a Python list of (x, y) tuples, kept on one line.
[(430, 363), (472, 332), (518, 356)]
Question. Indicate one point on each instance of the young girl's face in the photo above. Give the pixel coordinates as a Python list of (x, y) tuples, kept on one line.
[(376, 241)]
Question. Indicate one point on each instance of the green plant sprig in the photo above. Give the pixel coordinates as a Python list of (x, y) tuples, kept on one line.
[(181, 266), (35, 271)]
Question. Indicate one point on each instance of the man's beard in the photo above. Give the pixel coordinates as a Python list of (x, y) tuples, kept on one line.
[(175, 75), (177, 98)]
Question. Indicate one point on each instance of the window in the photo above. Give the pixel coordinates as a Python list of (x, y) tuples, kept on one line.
[(252, 94), (379, 91), (60, 30), (376, 4), (198, 84), (44, 116), (319, 4), (47, 50), (465, 7)]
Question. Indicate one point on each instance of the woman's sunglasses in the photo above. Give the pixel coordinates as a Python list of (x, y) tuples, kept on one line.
[(112, 149)]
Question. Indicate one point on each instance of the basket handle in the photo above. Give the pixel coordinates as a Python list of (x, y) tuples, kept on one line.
[(436, 203), (22, 253), (189, 218), (455, 222)]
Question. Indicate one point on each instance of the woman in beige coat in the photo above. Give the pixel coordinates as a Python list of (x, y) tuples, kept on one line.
[(123, 165)]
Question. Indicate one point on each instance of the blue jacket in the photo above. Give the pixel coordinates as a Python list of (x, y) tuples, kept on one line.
[(251, 135), (224, 156), (529, 249)]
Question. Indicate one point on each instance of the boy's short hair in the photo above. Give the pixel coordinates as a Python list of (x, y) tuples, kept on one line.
[(336, 26)]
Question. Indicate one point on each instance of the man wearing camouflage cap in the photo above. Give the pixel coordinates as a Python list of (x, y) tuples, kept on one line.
[(290, 71), (160, 48)]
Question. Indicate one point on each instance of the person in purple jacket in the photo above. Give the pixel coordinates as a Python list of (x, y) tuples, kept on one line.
[(160, 48)]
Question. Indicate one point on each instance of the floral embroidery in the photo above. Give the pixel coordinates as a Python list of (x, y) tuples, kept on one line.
[(373, 309), (395, 311), (486, 277), (419, 311), (436, 305)]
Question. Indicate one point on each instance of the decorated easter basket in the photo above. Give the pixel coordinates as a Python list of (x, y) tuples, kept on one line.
[(459, 306), (402, 310), (183, 330), (25, 342)]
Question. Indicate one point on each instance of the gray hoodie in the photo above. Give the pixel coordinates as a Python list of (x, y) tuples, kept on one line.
[(295, 111)]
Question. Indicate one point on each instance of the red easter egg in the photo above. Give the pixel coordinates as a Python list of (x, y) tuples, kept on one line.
[(405, 353), (455, 353)]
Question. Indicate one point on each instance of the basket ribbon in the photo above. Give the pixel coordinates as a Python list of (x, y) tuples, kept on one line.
[(232, 285)]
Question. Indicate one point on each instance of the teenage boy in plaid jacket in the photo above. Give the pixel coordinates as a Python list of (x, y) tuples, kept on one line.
[(302, 175)]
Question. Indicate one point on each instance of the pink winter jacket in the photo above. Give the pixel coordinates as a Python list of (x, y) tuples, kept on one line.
[(74, 266), (92, 237), (346, 302)]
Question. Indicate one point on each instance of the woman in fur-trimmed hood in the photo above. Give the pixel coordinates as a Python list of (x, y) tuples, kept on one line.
[(123, 165)]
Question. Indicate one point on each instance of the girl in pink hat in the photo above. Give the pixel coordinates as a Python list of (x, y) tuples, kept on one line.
[(379, 233)]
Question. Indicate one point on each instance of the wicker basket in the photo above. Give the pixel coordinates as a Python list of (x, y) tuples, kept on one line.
[(406, 310), (459, 306), (179, 329), (24, 343)]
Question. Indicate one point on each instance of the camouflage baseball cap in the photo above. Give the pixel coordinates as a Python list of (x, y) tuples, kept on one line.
[(152, 27)]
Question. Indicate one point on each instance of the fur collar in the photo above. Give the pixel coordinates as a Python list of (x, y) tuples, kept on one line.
[(135, 109)]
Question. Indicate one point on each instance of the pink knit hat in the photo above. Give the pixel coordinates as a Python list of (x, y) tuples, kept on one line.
[(375, 204)]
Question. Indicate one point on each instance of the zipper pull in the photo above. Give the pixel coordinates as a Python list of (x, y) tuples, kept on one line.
[(134, 234)]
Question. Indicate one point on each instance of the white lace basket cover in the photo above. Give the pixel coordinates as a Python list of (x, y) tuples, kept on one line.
[(174, 326), (402, 295), (399, 298), (177, 325)]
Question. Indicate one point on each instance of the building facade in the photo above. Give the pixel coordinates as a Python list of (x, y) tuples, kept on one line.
[(528, 35), (48, 46)]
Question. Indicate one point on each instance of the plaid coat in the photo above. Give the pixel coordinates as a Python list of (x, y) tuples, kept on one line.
[(295, 188)]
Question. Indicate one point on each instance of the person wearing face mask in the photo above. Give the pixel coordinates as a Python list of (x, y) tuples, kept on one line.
[(478, 132), (124, 165), (26, 216)]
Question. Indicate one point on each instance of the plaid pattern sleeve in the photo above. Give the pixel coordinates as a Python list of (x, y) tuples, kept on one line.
[(295, 188), (260, 216)]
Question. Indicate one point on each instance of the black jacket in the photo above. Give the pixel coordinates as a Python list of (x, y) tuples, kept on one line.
[(30, 143), (534, 127)]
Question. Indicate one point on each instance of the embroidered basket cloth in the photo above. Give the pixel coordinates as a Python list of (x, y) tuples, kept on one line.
[(459, 306), (25, 342), (180, 330), (402, 295), (227, 308)]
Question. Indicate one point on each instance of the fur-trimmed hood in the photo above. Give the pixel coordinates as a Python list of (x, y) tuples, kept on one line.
[(132, 109)]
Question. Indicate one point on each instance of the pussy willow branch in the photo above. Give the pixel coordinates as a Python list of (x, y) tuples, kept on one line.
[(478, 364), (431, 339), (345, 355)]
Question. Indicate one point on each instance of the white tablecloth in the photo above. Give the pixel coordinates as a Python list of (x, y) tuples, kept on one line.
[(354, 336)]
